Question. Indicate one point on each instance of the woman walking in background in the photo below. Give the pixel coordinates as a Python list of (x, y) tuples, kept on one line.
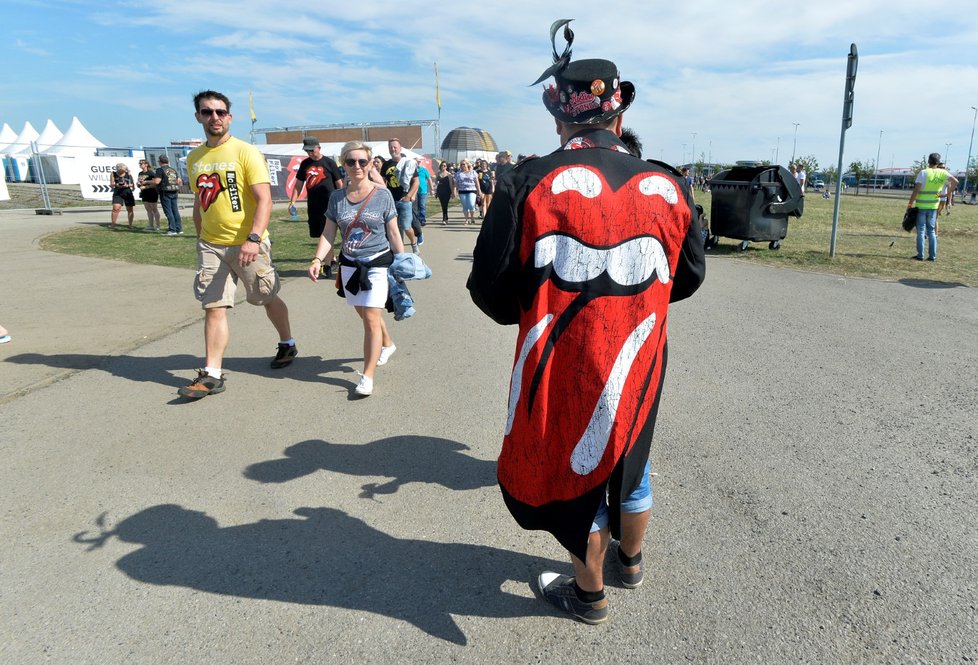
[(443, 190), (467, 188), (487, 185), (376, 165)]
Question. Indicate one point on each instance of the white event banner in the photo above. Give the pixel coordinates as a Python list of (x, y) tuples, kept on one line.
[(4, 194), (95, 183)]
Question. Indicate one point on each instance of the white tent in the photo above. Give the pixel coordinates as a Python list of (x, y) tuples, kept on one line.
[(46, 139), (7, 136), (76, 141), (62, 161), (15, 166), (50, 135)]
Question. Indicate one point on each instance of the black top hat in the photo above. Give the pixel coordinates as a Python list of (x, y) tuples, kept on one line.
[(586, 91)]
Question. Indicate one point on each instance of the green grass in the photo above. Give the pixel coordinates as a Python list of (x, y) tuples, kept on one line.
[(292, 248), (870, 241)]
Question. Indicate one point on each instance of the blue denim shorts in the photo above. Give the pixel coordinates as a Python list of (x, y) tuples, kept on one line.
[(637, 502), (404, 210)]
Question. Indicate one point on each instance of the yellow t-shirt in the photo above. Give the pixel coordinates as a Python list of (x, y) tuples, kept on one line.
[(221, 179)]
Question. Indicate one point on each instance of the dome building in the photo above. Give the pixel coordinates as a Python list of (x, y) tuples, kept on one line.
[(468, 143)]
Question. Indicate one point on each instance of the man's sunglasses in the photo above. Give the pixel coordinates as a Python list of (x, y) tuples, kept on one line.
[(220, 113), (362, 163)]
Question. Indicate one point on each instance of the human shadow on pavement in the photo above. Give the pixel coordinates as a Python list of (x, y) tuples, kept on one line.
[(404, 459), (930, 283), (177, 370), (326, 557)]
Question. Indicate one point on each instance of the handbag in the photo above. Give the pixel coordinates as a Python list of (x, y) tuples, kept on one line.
[(339, 272), (910, 219)]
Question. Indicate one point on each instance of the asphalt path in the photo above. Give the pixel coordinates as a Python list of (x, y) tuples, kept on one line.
[(816, 462)]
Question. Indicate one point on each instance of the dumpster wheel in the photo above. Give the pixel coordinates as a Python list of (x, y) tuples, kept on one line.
[(742, 247), (775, 244)]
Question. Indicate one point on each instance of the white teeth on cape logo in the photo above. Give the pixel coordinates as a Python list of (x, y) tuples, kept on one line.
[(577, 179), (630, 263)]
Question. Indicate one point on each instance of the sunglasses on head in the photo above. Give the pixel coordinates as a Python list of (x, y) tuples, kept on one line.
[(220, 113), (362, 163)]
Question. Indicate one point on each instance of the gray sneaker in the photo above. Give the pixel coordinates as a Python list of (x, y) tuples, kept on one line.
[(559, 591)]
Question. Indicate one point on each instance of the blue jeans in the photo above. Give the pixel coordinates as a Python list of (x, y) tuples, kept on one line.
[(468, 201), (172, 212), (637, 502), (403, 214), (927, 226), (422, 209)]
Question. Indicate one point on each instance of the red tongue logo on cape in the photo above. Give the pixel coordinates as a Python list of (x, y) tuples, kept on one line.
[(208, 188), (598, 313)]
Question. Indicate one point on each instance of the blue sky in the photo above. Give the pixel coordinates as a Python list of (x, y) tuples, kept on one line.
[(738, 75)]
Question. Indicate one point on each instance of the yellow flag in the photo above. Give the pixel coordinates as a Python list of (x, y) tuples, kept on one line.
[(251, 103), (437, 90)]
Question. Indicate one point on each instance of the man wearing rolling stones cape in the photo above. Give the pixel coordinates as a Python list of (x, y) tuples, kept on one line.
[(584, 249)]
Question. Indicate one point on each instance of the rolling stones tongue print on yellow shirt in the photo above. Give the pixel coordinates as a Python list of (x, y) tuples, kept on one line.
[(209, 187)]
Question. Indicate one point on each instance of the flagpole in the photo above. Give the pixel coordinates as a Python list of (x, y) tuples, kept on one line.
[(251, 104), (437, 150)]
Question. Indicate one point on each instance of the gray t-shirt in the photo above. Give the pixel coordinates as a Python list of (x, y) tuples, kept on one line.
[(368, 236)]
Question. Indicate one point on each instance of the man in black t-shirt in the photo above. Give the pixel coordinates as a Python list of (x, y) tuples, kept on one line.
[(401, 176), (321, 177)]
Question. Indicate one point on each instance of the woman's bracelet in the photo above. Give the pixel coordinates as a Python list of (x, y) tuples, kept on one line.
[(316, 258)]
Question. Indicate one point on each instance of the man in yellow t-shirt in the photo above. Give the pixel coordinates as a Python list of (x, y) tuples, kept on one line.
[(232, 206)]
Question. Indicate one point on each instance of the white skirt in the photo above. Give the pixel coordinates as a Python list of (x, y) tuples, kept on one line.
[(375, 297)]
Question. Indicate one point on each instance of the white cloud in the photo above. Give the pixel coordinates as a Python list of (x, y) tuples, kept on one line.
[(738, 74)]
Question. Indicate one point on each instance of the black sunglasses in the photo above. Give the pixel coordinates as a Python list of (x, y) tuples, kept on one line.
[(220, 113), (362, 163)]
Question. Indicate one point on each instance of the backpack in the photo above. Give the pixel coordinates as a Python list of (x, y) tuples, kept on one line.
[(168, 183)]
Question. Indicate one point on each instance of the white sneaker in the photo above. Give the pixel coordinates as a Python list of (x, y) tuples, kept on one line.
[(365, 387), (385, 354)]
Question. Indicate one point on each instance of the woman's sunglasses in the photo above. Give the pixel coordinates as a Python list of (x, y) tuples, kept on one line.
[(362, 163), (220, 113)]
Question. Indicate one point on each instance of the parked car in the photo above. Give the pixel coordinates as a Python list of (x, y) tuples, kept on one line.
[(818, 184)]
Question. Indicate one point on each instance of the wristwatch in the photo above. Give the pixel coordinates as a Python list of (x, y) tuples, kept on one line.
[(254, 237)]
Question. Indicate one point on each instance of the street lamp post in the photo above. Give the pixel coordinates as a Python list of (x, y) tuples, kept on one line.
[(947, 148), (777, 150), (684, 156), (967, 165), (876, 166), (693, 155), (794, 142)]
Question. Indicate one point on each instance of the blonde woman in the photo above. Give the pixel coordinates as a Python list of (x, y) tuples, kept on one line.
[(121, 182), (365, 214), (467, 188)]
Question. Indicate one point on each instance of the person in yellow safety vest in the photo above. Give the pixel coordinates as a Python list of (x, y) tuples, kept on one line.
[(924, 197)]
